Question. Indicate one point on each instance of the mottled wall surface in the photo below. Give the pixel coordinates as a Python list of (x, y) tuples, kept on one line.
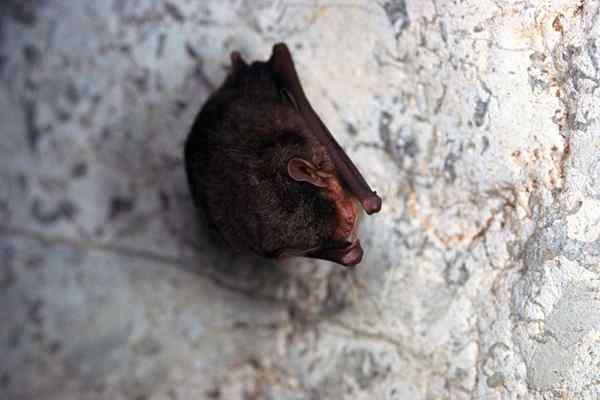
[(477, 121)]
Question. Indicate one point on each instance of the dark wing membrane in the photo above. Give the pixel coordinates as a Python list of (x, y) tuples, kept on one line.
[(285, 73)]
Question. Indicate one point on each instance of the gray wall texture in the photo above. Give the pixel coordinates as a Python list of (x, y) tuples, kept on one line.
[(476, 120)]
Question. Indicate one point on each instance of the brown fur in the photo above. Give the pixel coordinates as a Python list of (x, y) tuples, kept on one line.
[(236, 159)]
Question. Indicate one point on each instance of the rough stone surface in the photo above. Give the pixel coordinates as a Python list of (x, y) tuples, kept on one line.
[(477, 121)]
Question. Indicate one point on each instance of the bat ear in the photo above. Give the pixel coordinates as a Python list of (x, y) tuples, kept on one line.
[(237, 60), (302, 171)]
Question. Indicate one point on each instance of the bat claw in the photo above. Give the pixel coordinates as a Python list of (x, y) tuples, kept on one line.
[(372, 204)]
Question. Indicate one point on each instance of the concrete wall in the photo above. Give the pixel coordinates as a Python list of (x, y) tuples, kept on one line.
[(477, 121)]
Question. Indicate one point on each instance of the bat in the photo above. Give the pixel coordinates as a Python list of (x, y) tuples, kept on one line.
[(267, 173)]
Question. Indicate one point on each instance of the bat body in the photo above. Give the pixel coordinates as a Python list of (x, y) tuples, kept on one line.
[(267, 173)]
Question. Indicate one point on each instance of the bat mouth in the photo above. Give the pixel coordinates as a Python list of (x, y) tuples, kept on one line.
[(346, 250), (353, 252), (347, 253), (350, 255)]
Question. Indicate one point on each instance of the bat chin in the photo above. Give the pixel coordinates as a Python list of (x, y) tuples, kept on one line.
[(347, 256), (352, 254)]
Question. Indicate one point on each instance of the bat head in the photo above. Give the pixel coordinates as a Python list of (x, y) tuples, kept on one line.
[(268, 180), (342, 246)]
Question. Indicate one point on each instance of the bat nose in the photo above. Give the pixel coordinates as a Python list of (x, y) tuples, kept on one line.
[(348, 212)]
